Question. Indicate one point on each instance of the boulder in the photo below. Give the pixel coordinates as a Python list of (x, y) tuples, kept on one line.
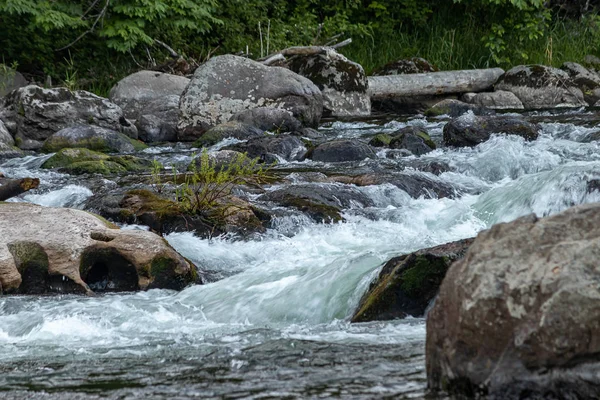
[(33, 114), (518, 316), (158, 120), (455, 108), (272, 148), (540, 86), (470, 130), (232, 129), (414, 139), (342, 150), (408, 283), (270, 119), (7, 144), (586, 80), (10, 80), (5, 137), (136, 92), (83, 161), (89, 137), (414, 65), (61, 250), (343, 82), (592, 62), (227, 85), (498, 100)]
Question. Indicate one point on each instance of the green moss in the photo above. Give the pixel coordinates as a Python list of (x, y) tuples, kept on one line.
[(54, 144), (209, 138), (437, 111), (32, 263), (416, 278), (163, 271), (381, 140), (317, 211), (150, 202), (85, 161), (138, 145), (427, 139)]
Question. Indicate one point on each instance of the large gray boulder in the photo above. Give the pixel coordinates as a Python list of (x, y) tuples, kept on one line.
[(343, 82), (89, 137), (10, 80), (227, 85), (32, 114), (586, 80), (7, 144), (61, 250), (518, 316), (540, 86), (158, 120), (470, 130), (134, 92)]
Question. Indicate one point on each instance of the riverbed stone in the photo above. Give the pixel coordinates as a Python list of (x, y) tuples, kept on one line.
[(227, 85), (343, 82), (455, 108), (407, 284), (271, 148), (587, 80), (89, 137), (498, 100), (232, 129), (342, 150), (518, 316), (61, 250), (471, 130), (540, 87), (136, 92), (414, 139), (32, 114)]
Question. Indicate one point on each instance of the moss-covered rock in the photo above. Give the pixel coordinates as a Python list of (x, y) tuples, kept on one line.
[(79, 161), (455, 108), (407, 284), (32, 263), (90, 137), (381, 140), (414, 139)]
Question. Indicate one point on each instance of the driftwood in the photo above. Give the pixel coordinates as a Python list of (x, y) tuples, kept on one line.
[(302, 51), (14, 187), (433, 83)]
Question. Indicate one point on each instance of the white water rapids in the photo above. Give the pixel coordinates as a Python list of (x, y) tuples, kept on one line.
[(276, 324)]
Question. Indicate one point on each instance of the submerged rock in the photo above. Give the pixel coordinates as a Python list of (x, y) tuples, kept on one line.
[(471, 130), (518, 316), (89, 137), (343, 82), (414, 139), (83, 161), (540, 86), (60, 250), (227, 85), (407, 284), (342, 150), (33, 114)]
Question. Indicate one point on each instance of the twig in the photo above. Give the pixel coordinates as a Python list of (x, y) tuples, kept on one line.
[(172, 52), (342, 43), (150, 59), (268, 35), (90, 8), (316, 39), (100, 16), (274, 59), (134, 60), (261, 41)]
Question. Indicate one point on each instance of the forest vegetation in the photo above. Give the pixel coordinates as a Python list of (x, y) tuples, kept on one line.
[(91, 44)]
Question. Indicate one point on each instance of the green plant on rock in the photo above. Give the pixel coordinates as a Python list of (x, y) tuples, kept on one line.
[(207, 184)]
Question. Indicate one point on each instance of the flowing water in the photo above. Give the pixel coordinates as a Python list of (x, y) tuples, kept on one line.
[(275, 323)]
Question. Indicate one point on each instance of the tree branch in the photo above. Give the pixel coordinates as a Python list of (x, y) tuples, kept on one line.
[(14, 187), (100, 16)]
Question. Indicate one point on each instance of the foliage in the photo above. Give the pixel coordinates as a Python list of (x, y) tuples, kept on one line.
[(206, 185)]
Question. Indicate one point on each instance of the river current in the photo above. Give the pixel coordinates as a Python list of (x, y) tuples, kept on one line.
[(274, 323)]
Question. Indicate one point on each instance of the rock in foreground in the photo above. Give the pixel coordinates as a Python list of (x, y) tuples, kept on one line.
[(407, 284), (518, 316), (60, 250)]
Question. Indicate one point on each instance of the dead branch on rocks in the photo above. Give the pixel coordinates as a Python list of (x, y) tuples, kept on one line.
[(302, 51), (14, 187)]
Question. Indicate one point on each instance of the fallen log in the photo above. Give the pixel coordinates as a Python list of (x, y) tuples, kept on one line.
[(14, 187), (302, 51), (433, 83)]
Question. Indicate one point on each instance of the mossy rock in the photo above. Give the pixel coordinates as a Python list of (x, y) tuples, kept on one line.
[(84, 161), (317, 211), (138, 145), (163, 274), (381, 140), (32, 263), (407, 284)]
